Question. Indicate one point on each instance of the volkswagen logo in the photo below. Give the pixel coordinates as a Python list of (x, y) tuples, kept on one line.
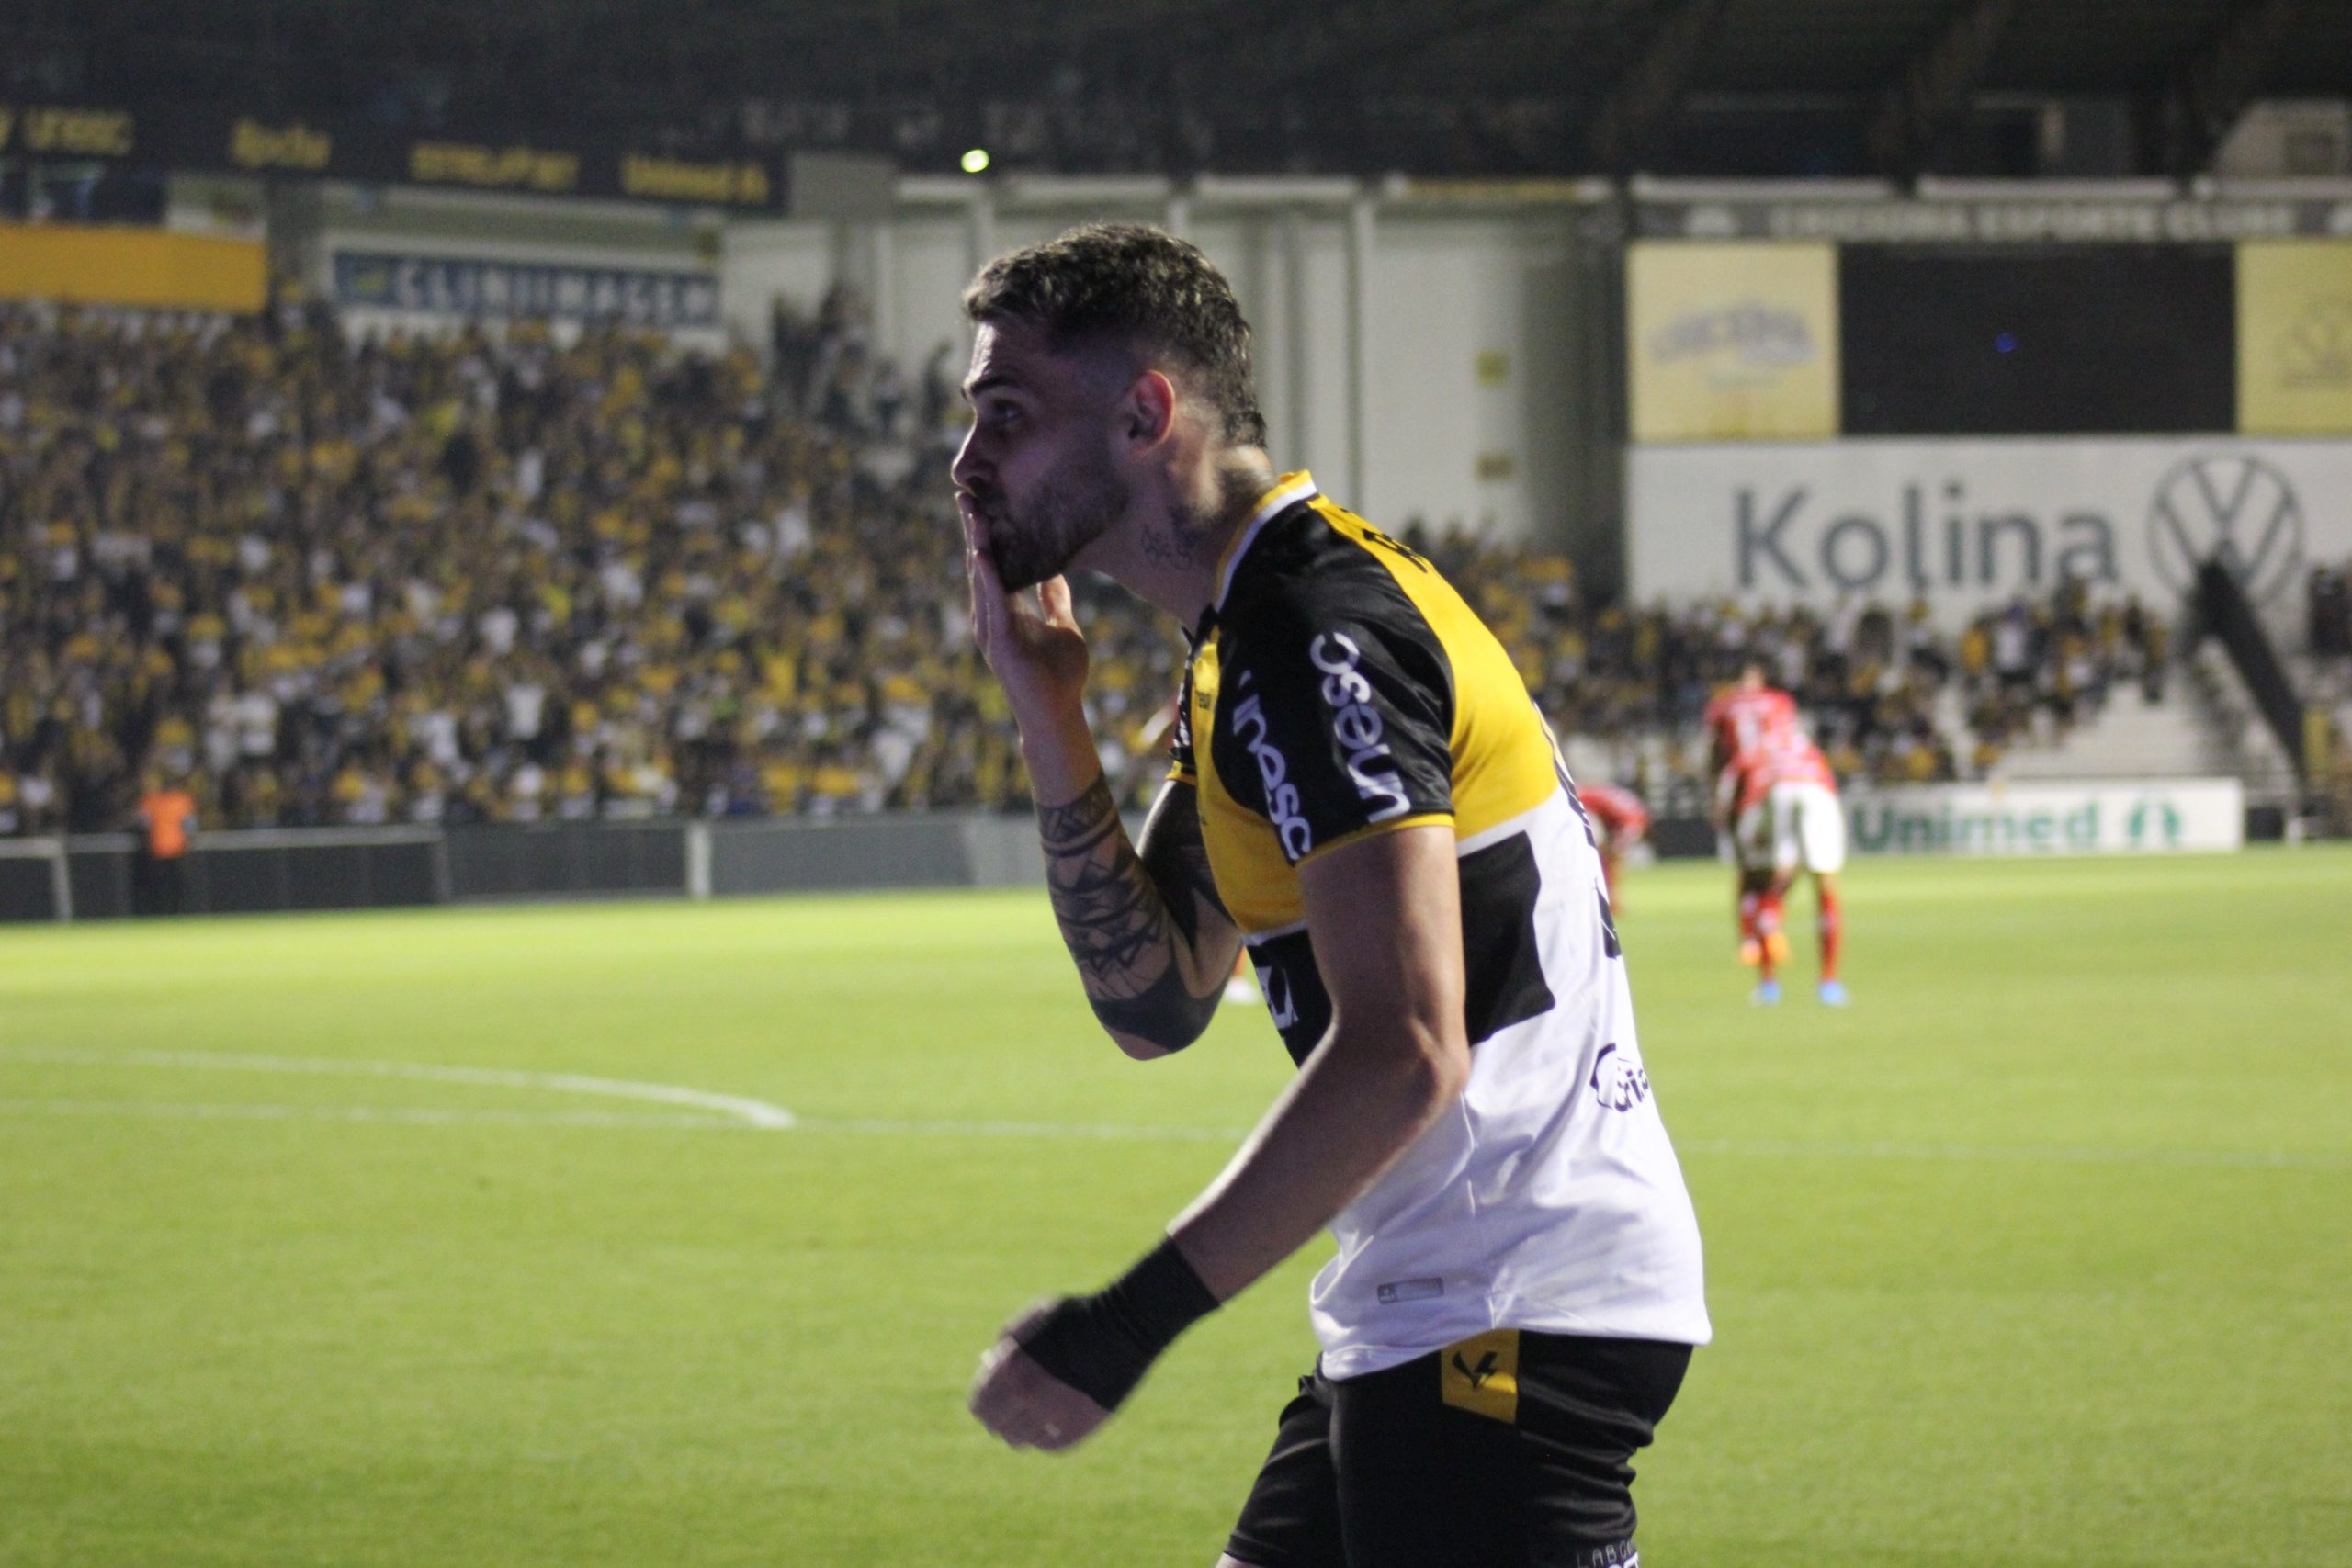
[(2237, 508)]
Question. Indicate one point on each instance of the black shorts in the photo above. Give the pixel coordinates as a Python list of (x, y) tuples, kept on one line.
[(1509, 1450)]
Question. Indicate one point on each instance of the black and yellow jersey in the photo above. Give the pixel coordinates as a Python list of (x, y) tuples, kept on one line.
[(1337, 687)]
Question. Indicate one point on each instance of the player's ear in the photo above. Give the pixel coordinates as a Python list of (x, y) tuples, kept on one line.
[(1149, 410)]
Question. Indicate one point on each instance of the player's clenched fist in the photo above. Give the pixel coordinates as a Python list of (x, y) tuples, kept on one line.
[(1022, 1403), (1061, 1367)]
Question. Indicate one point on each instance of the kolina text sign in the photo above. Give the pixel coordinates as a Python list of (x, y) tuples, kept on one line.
[(1966, 525)]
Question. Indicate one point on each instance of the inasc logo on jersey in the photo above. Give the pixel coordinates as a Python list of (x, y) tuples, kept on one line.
[(1274, 771), (2230, 507), (1619, 1079), (1356, 724)]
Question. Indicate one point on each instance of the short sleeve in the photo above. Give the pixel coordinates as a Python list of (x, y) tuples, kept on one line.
[(1329, 726)]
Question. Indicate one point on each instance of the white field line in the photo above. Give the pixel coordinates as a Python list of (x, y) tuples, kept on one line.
[(894, 1127), (749, 1113), (726, 1112), (428, 1116)]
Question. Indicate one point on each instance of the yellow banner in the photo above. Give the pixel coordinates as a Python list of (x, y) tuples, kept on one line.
[(130, 266), (2295, 337), (1732, 342)]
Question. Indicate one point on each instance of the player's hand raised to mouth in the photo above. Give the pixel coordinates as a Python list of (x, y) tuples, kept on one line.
[(1030, 639)]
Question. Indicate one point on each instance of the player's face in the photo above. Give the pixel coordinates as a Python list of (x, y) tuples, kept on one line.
[(1039, 463)]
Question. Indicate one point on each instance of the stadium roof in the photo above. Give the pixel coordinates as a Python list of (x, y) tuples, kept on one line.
[(1495, 86)]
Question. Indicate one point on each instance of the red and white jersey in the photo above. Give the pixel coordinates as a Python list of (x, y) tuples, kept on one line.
[(1739, 719), (1783, 756), (1618, 813)]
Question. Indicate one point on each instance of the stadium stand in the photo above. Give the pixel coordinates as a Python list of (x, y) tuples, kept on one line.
[(462, 579)]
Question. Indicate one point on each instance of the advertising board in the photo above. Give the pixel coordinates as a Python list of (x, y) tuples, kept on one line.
[(551, 161), (2295, 338), (2150, 817), (1967, 524), (1730, 342), (144, 268), (501, 289)]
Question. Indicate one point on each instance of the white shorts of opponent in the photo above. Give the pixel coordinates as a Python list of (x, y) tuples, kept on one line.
[(1795, 825)]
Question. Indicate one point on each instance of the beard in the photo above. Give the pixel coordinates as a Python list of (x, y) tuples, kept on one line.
[(1036, 540)]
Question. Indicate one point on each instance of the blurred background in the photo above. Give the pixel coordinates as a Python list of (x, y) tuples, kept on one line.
[(514, 438)]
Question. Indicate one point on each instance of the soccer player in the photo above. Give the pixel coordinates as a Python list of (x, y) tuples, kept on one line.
[(1789, 819), (1364, 794), (1743, 713), (1737, 718), (1620, 821)]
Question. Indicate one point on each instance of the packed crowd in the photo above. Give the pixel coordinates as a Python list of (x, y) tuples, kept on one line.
[(461, 578), (1891, 698)]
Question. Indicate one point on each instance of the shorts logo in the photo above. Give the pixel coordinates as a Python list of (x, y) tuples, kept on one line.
[(1618, 1078), (1274, 773), (1480, 1374), (1356, 724)]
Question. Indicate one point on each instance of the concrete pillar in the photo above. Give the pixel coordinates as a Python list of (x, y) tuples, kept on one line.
[(882, 287), (1296, 381), (1360, 328)]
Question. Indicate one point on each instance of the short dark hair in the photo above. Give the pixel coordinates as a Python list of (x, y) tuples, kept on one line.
[(1141, 288)]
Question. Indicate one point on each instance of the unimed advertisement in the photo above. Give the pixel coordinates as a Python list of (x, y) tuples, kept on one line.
[(1969, 524), (2047, 818)]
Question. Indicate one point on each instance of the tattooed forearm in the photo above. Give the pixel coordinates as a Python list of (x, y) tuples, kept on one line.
[(1178, 861), (1111, 917), (1117, 921)]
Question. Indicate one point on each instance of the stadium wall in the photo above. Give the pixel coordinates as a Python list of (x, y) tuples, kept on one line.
[(1419, 353), (99, 876), (1970, 397), (1966, 525)]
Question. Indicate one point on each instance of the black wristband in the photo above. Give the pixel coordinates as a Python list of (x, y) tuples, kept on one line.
[(1100, 1345)]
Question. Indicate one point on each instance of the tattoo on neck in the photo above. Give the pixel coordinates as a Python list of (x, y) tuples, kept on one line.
[(1161, 544)]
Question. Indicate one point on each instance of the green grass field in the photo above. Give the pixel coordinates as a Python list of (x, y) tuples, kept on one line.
[(2041, 1253)]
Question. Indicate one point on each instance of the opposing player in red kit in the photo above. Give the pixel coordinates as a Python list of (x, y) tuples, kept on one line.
[(1620, 821), (1787, 818), (1743, 713), (1737, 717)]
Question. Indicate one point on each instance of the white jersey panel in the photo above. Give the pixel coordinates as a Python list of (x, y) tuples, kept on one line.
[(1549, 1197)]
